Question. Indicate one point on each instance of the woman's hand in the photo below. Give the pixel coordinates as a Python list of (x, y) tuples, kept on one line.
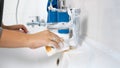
[(18, 27), (44, 38)]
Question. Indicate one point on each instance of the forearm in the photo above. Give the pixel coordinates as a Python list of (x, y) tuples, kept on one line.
[(14, 39), (3, 26)]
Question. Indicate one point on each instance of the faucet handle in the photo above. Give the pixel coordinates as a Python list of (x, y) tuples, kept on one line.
[(37, 18)]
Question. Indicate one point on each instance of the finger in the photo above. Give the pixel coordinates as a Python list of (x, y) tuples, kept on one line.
[(62, 39), (56, 38), (23, 28), (53, 44)]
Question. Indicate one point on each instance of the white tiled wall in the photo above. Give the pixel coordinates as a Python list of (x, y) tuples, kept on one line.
[(103, 22), (26, 9)]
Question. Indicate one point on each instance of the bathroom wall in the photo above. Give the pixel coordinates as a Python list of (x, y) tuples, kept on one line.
[(100, 21), (103, 22), (26, 10)]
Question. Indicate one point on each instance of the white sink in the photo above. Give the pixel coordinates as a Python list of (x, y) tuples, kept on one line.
[(26, 58)]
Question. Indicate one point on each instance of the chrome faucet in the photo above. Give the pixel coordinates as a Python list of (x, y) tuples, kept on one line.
[(37, 21)]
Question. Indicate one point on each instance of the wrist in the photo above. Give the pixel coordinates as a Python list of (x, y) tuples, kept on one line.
[(30, 41)]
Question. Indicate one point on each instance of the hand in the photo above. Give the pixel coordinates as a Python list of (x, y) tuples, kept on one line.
[(19, 27), (44, 38)]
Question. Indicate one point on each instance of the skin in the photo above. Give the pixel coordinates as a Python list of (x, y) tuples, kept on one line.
[(12, 37), (16, 27)]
